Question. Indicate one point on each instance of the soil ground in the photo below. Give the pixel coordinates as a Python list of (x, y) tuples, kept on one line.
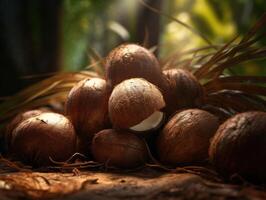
[(143, 184)]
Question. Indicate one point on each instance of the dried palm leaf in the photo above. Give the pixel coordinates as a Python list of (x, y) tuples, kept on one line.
[(236, 101), (229, 56), (54, 88), (96, 61)]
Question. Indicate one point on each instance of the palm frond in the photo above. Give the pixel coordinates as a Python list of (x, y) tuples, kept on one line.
[(217, 57), (236, 101), (97, 62), (230, 55), (237, 79), (248, 88)]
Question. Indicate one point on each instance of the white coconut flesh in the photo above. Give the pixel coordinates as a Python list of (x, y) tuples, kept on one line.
[(152, 122)]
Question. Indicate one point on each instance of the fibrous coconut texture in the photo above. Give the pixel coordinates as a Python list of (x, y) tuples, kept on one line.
[(87, 107), (119, 148), (239, 146), (133, 101), (132, 61), (182, 90), (186, 137), (45, 136)]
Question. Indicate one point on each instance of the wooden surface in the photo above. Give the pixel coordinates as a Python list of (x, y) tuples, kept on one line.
[(144, 184)]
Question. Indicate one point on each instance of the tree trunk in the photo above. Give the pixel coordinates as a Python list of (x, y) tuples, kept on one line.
[(29, 41), (148, 25)]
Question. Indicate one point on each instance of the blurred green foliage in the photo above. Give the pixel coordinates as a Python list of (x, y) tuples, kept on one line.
[(82, 21), (87, 25), (218, 20)]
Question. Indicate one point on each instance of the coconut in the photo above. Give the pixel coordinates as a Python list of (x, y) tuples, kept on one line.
[(135, 104), (18, 119), (186, 137), (119, 148), (182, 90), (45, 136), (87, 107), (239, 146), (132, 61)]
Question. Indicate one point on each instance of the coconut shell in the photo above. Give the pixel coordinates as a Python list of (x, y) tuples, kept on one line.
[(132, 101), (132, 61), (239, 146), (17, 120), (87, 107), (186, 137), (183, 90), (38, 138), (119, 148)]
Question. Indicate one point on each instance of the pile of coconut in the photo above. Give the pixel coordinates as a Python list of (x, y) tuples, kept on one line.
[(139, 110)]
